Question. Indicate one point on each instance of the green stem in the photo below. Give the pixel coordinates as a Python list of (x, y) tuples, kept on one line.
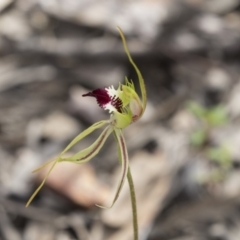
[(134, 204), (132, 195)]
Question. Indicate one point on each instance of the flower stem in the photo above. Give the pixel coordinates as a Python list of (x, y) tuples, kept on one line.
[(134, 204), (132, 193)]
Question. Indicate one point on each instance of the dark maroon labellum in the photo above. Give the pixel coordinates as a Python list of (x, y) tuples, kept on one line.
[(103, 98)]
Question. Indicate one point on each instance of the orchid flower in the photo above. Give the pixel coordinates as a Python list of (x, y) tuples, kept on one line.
[(125, 107)]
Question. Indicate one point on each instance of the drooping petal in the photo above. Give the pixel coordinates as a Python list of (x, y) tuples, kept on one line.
[(55, 161), (124, 161), (88, 153), (107, 98), (140, 78), (42, 183), (84, 134)]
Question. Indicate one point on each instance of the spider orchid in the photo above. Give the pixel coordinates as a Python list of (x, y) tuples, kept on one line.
[(125, 108)]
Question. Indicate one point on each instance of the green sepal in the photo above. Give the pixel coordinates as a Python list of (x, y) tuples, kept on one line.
[(140, 78), (84, 134), (121, 120), (59, 159), (88, 153), (124, 162)]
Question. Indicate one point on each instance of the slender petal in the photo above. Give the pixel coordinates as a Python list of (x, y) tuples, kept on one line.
[(59, 159), (141, 81), (43, 166), (88, 153), (74, 141), (84, 134), (42, 183), (124, 162)]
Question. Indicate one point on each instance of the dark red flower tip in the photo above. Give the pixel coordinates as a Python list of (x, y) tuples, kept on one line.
[(101, 95), (103, 98)]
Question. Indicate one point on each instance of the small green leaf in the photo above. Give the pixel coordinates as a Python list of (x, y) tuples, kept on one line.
[(217, 116), (196, 109), (220, 154), (198, 137)]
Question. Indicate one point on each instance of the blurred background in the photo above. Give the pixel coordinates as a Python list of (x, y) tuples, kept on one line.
[(184, 152)]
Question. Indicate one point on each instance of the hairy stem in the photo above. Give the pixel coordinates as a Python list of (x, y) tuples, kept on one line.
[(134, 204)]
